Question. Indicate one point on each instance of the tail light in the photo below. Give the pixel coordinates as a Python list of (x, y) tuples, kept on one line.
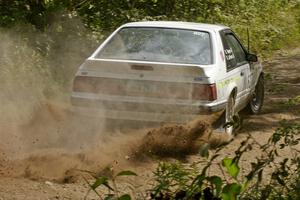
[(97, 85), (204, 92), (82, 83)]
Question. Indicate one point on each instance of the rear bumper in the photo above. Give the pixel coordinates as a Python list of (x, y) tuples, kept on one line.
[(141, 109)]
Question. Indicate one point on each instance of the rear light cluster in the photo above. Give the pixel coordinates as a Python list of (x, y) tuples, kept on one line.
[(82, 83), (96, 85), (157, 89), (204, 92)]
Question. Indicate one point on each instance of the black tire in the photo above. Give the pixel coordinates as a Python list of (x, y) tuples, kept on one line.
[(256, 102)]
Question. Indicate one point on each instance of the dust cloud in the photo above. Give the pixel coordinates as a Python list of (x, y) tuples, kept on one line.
[(58, 145), (41, 137), (39, 133)]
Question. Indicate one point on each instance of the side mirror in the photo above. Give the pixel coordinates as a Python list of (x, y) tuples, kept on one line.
[(251, 57)]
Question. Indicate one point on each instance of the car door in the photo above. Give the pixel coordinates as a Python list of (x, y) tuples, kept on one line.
[(237, 66)]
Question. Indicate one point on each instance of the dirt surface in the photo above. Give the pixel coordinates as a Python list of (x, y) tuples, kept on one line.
[(45, 158)]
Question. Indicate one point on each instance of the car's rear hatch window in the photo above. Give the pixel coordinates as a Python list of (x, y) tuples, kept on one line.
[(159, 45)]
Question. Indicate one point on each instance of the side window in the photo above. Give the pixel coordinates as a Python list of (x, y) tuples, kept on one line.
[(234, 52)]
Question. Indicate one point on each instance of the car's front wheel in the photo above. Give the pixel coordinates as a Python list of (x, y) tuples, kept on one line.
[(257, 99)]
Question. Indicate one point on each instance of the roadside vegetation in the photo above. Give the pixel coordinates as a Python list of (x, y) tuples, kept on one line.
[(59, 34), (271, 176), (44, 42)]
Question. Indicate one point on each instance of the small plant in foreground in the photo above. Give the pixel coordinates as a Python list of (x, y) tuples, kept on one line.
[(110, 184), (191, 182), (195, 186), (283, 183)]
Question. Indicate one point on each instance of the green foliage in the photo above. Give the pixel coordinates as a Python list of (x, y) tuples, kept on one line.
[(231, 166), (231, 191), (111, 185), (283, 183), (179, 181), (284, 179), (293, 101), (272, 23), (126, 173), (170, 177), (175, 180)]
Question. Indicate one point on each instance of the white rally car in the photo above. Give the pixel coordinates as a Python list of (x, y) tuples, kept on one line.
[(169, 72)]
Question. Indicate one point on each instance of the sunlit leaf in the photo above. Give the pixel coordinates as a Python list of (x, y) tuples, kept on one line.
[(231, 166), (99, 181), (126, 173)]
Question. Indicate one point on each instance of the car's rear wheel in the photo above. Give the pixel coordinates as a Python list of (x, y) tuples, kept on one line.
[(229, 116), (227, 122), (256, 102)]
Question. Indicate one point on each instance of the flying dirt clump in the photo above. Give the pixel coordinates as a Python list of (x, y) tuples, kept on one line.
[(175, 140), (181, 140)]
